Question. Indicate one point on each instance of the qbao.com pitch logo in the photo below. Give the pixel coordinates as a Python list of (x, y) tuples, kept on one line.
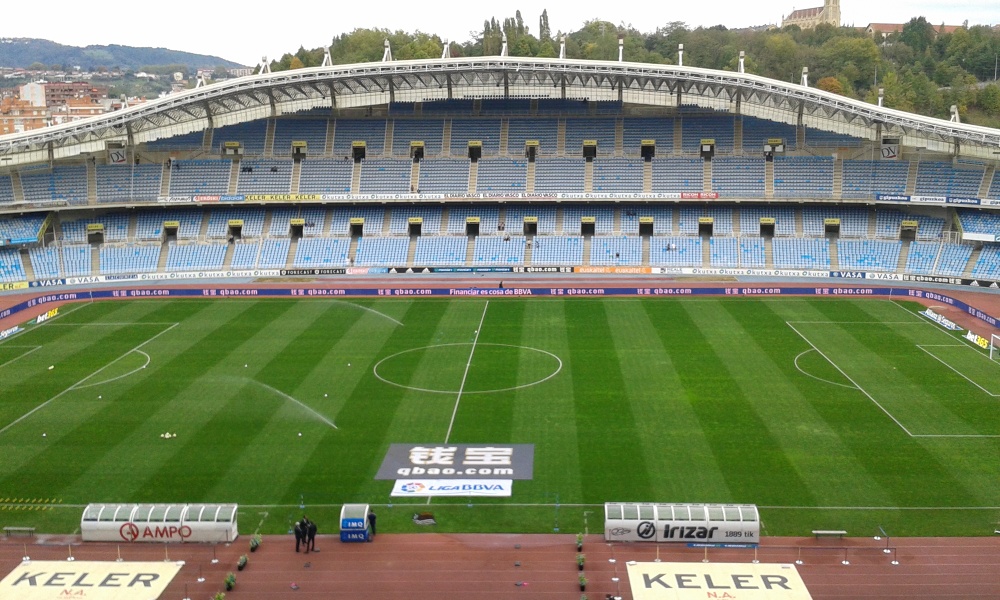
[(414, 487)]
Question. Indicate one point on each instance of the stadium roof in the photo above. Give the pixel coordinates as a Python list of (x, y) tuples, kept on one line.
[(370, 84)]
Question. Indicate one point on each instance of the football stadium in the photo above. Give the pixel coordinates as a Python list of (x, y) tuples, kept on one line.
[(565, 326)]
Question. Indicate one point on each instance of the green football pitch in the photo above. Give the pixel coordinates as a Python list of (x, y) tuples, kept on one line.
[(826, 413)]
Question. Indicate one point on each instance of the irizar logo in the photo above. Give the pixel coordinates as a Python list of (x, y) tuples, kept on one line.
[(682, 532)]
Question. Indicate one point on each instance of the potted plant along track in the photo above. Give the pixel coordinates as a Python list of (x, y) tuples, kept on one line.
[(219, 596), (583, 582), (579, 542), (580, 558), (230, 581), (242, 564), (255, 542)]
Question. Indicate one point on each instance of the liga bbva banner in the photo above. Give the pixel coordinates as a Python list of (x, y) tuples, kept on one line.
[(93, 580), (424, 488), (732, 581)]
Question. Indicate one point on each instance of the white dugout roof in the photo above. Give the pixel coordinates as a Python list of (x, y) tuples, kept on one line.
[(372, 84)]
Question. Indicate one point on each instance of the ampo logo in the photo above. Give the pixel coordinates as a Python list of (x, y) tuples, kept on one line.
[(129, 532)]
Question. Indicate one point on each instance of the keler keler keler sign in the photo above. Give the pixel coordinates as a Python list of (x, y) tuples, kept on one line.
[(458, 461)]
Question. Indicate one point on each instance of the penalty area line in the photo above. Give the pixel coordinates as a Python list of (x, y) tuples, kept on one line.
[(81, 382)]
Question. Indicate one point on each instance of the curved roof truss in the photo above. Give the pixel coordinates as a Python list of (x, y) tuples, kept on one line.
[(368, 84)]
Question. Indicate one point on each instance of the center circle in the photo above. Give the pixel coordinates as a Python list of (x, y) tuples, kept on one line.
[(446, 359)]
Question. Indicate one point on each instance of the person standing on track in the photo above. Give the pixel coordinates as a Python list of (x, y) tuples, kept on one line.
[(299, 537), (371, 524), (311, 537)]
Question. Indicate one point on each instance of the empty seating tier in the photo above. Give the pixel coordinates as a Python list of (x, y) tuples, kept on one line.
[(199, 177), (123, 183), (326, 176), (265, 176)]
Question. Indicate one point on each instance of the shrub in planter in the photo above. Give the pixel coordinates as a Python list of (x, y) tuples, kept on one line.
[(580, 558), (583, 582), (230, 581), (242, 564), (579, 541), (219, 596), (255, 542)]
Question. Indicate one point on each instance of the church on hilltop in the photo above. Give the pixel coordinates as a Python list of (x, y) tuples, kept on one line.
[(808, 18)]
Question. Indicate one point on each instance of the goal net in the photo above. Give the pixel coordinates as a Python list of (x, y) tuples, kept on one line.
[(995, 347)]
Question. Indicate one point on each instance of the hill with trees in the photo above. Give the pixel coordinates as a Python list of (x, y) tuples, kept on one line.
[(38, 54), (920, 70)]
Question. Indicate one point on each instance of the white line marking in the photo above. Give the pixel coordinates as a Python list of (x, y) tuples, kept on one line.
[(20, 356), (82, 381), (876, 403), (796, 362), (493, 391), (290, 399), (962, 375), (465, 375), (133, 371), (847, 377)]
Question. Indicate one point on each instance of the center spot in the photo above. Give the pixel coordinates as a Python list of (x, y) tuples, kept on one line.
[(440, 368)]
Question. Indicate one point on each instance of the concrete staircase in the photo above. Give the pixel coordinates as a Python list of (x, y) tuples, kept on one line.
[(768, 253), (206, 140), (446, 139), (834, 257), (619, 137), (296, 175), (904, 255), (675, 224), (91, 182), (706, 252), (737, 135), (706, 177), (737, 230), (529, 185), (445, 217), (527, 251), (647, 176), (161, 265), (352, 249), (678, 133), (967, 273), (798, 222), (292, 249), (561, 138), (559, 220), (587, 241), (473, 176), (227, 260), (331, 132), (388, 220), (504, 128), (269, 137), (268, 215), (15, 182), (234, 177), (872, 222), (616, 226), (838, 177), (588, 177), (984, 187), (203, 230), (412, 251), (165, 180), (389, 125), (470, 251), (95, 259), (414, 176), (768, 179), (911, 177), (645, 249), (29, 269), (356, 178)]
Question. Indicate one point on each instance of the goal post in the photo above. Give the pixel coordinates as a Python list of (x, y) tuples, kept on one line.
[(995, 347)]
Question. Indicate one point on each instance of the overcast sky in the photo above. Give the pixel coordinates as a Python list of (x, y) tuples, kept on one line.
[(244, 31)]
